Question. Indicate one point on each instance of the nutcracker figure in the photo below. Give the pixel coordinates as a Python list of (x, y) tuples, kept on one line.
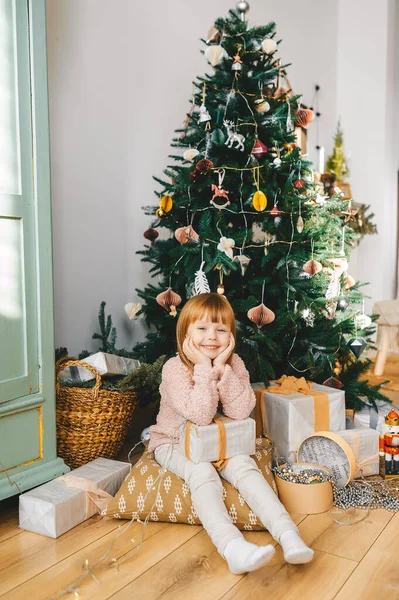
[(389, 443)]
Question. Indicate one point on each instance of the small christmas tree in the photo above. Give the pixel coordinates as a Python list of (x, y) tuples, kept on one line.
[(336, 173), (336, 162), (245, 220)]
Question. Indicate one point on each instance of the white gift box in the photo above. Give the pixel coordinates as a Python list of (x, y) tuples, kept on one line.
[(104, 363), (289, 418), (365, 446), (57, 506), (204, 443), (370, 418)]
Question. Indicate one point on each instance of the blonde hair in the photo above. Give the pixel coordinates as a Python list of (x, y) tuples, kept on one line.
[(213, 306)]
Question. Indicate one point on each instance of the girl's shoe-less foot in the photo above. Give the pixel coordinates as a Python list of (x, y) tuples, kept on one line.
[(242, 556), (296, 552)]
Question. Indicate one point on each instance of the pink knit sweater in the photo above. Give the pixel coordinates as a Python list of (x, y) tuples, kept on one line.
[(187, 397)]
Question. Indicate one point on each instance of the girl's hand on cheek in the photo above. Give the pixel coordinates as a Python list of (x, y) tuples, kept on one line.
[(224, 356), (195, 355)]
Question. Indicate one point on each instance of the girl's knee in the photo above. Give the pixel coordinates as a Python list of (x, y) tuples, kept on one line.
[(203, 473), (241, 466), (243, 462)]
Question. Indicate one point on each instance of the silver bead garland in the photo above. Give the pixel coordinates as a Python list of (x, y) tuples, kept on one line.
[(366, 494), (290, 473)]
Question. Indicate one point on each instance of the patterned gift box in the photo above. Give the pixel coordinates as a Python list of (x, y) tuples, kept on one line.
[(291, 409), (57, 506), (222, 439)]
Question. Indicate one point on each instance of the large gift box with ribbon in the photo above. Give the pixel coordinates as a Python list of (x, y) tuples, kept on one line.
[(222, 439), (57, 506), (291, 409), (365, 446)]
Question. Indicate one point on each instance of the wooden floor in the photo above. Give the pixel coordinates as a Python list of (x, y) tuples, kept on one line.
[(179, 561), (360, 561)]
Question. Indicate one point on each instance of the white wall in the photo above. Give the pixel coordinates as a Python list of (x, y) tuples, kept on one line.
[(88, 61), (120, 82), (367, 94)]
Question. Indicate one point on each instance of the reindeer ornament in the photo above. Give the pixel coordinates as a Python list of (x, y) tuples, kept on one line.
[(234, 137)]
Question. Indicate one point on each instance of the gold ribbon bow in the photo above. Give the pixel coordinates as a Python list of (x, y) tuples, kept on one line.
[(286, 385), (222, 461)]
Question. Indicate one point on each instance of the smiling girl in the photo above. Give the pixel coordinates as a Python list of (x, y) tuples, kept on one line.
[(204, 375)]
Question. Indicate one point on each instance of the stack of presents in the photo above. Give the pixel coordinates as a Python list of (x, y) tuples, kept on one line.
[(294, 420)]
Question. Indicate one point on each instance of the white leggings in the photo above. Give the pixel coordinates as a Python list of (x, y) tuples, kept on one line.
[(206, 494)]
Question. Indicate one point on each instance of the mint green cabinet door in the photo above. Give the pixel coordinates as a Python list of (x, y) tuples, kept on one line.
[(18, 286), (28, 454)]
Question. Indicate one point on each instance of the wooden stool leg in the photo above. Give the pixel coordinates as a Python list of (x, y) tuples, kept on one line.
[(382, 352)]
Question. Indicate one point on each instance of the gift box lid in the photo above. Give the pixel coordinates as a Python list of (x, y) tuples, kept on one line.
[(329, 450)]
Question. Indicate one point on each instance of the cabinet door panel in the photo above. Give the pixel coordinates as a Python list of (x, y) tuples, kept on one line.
[(19, 374), (25, 426)]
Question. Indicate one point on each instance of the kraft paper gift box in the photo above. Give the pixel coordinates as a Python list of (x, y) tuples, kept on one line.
[(368, 417), (365, 446), (104, 363), (57, 506), (292, 409), (222, 439)]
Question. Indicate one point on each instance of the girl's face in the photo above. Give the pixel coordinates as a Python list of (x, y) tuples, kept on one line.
[(210, 338)]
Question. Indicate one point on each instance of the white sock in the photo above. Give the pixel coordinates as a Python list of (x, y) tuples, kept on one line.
[(295, 550), (242, 556)]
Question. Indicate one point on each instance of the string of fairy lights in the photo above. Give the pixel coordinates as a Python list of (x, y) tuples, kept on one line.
[(91, 570)]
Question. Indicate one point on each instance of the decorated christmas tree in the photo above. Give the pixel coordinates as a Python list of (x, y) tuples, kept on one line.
[(246, 221)]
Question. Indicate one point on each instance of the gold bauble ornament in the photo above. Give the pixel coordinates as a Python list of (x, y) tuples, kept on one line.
[(159, 212), (166, 203), (259, 201), (220, 289)]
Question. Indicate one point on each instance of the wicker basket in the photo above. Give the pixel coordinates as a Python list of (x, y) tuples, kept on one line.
[(91, 422)]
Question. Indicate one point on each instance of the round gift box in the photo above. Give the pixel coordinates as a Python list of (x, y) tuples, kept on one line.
[(305, 498), (329, 450)]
